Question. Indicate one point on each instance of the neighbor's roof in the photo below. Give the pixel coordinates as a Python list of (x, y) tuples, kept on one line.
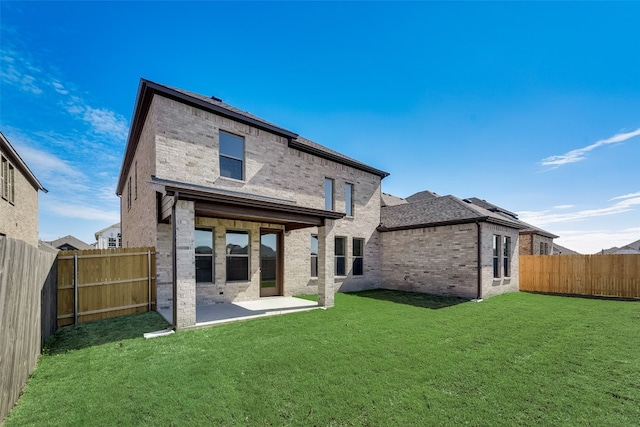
[(443, 210), (147, 89), (391, 200), (422, 195), (528, 228), (15, 158), (71, 241), (561, 250)]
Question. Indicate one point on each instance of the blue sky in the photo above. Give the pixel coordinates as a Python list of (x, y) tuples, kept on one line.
[(531, 106)]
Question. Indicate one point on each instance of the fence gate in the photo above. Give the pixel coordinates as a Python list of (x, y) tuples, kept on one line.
[(102, 283)]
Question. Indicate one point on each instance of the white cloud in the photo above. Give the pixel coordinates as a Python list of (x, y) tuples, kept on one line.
[(46, 163), (593, 241), (563, 207), (106, 122), (580, 153), (18, 70), (59, 88), (81, 211), (542, 218), (626, 196)]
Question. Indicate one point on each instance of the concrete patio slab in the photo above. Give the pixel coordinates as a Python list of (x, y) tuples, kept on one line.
[(216, 314)]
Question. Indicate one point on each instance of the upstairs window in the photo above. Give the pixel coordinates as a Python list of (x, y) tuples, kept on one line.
[(348, 199), (7, 188), (231, 156), (112, 242), (328, 194)]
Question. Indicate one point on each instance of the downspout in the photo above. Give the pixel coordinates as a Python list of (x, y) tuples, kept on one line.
[(479, 249), (174, 259)]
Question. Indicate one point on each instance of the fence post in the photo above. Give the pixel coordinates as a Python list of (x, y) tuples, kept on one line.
[(75, 288), (149, 275)]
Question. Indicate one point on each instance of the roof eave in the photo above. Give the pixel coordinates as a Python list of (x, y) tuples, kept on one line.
[(329, 156), (450, 222), (17, 160)]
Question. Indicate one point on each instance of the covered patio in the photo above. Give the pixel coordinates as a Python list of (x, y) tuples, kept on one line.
[(216, 314), (257, 218)]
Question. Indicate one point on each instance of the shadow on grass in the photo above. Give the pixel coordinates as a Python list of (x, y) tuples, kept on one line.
[(416, 299), (104, 331)]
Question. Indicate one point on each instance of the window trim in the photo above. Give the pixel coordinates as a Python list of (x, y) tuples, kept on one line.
[(348, 204), (11, 184), (496, 256), (506, 256), (212, 255), (333, 194), (136, 180), (314, 257), (129, 194), (336, 256), (242, 160), (3, 181), (357, 257), (247, 255)]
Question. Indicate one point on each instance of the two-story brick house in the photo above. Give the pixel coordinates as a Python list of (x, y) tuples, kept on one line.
[(18, 196), (239, 208)]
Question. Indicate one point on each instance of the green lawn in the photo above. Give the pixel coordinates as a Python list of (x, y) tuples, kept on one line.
[(378, 358)]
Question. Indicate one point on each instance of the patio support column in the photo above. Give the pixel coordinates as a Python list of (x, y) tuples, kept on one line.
[(326, 259), (185, 272)]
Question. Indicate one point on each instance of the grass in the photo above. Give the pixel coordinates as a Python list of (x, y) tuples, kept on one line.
[(377, 358)]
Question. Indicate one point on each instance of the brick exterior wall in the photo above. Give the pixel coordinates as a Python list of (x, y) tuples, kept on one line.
[(494, 286), (436, 260), (444, 260), (530, 244), (138, 223), (180, 143), (19, 220)]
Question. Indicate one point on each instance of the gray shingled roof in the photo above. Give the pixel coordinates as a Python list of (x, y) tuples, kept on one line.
[(528, 228), (391, 200), (70, 240), (435, 211), (561, 250), (491, 207), (421, 195)]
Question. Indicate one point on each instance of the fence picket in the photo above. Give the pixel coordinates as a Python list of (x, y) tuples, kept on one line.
[(111, 282), (605, 275)]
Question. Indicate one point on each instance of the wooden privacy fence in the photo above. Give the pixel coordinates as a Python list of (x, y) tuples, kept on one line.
[(603, 275), (25, 272), (102, 283)]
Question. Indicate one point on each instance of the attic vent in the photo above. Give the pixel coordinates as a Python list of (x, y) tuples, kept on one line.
[(215, 98), (467, 200)]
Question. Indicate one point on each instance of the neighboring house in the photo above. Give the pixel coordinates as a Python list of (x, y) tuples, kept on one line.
[(69, 243), (561, 250), (19, 196), (533, 240), (631, 248), (109, 238), (445, 245), (212, 187)]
